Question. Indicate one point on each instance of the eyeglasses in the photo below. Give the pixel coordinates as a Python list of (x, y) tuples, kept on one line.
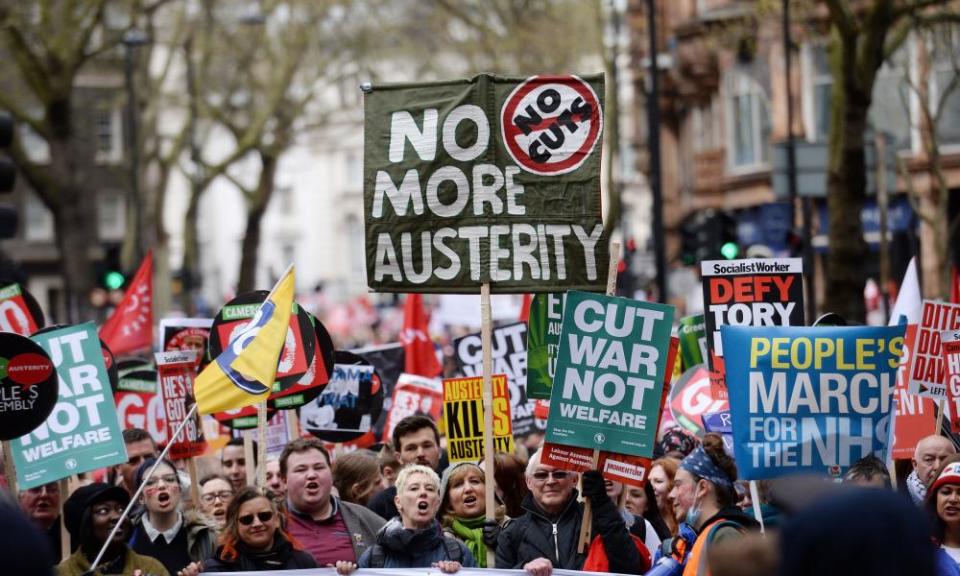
[(223, 495), (105, 510), (168, 479), (542, 475), (264, 517)]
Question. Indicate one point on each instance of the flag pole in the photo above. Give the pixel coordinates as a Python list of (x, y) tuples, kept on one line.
[(486, 337), (143, 483), (595, 459), (262, 445), (9, 469)]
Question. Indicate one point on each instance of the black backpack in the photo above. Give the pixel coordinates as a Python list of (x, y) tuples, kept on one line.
[(378, 555)]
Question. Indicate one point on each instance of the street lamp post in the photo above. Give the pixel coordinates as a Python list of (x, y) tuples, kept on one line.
[(133, 39), (653, 135)]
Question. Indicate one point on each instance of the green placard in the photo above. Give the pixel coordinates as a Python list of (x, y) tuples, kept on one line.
[(490, 179), (543, 337), (612, 358), (693, 340), (83, 432)]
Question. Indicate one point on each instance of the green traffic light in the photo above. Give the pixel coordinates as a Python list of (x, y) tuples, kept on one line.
[(113, 280), (730, 250)]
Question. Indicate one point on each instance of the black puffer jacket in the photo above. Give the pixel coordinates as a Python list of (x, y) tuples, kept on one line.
[(535, 535), (281, 557)]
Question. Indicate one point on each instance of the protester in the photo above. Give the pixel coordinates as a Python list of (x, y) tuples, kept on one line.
[(416, 441), (274, 481), (389, 465), (253, 541), (546, 536), (868, 471), (327, 527), (233, 463), (41, 505), (164, 532), (704, 496), (463, 509), (636, 523), (356, 476), (510, 473), (24, 549), (662, 473), (90, 513), (928, 456), (857, 533), (943, 506), (415, 539), (216, 493), (140, 446), (676, 443)]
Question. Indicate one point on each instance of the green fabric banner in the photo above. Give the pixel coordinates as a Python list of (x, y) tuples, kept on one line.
[(489, 179), (609, 379), (543, 338)]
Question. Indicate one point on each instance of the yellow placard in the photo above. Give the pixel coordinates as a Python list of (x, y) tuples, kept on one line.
[(463, 413)]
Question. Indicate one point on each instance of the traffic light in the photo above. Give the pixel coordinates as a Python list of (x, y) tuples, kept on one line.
[(8, 177), (110, 274), (709, 235)]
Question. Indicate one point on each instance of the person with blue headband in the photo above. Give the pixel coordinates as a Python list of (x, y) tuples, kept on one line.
[(704, 498)]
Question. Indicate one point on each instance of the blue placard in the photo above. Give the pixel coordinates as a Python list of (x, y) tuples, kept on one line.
[(812, 400)]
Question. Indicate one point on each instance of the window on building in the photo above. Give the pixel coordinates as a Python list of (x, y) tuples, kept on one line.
[(108, 134), (944, 85), (111, 216), (748, 122), (819, 87), (703, 124), (890, 112), (39, 219)]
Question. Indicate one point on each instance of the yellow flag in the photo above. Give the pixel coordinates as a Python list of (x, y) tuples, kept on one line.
[(244, 372)]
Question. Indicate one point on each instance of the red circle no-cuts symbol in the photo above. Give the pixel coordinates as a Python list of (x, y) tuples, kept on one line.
[(551, 124)]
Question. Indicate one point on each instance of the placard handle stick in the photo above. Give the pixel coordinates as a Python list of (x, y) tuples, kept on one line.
[(486, 337), (755, 498), (194, 482), (262, 445), (941, 408), (293, 425), (587, 509), (248, 457), (64, 534), (143, 484), (9, 469)]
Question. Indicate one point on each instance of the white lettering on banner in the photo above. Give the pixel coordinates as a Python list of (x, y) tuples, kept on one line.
[(752, 314), (833, 393), (792, 441)]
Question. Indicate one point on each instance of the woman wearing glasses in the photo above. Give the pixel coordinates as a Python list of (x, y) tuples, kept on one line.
[(175, 538), (90, 514), (252, 540), (216, 493)]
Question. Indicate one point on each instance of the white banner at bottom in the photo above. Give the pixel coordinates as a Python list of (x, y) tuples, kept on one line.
[(413, 572)]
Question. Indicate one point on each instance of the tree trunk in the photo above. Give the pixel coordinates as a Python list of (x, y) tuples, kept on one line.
[(846, 186), (190, 273), (257, 208), (73, 213)]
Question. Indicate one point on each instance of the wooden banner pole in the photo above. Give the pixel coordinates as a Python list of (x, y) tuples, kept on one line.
[(941, 408), (262, 445), (9, 470), (486, 337), (293, 425), (585, 527), (248, 457), (194, 482), (64, 534)]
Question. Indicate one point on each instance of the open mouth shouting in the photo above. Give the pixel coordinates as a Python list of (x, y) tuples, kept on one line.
[(312, 488), (471, 501), (164, 500)]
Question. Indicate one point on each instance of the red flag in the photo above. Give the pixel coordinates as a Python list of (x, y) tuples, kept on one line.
[(525, 308), (955, 285), (417, 347), (130, 327)]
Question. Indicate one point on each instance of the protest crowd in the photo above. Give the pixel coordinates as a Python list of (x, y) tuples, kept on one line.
[(592, 434)]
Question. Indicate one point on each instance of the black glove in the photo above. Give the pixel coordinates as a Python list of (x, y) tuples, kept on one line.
[(594, 485), (491, 531)]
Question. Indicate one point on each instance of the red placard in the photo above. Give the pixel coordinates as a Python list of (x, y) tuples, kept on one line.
[(291, 362), (15, 316), (177, 371), (950, 345), (414, 395), (915, 415)]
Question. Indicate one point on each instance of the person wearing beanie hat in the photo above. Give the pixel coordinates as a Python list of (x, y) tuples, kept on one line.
[(90, 514), (463, 510), (943, 504), (176, 538)]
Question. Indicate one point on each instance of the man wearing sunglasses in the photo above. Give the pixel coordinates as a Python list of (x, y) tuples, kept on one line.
[(546, 536)]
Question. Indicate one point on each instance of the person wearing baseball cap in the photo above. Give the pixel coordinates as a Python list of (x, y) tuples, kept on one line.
[(90, 514), (943, 505)]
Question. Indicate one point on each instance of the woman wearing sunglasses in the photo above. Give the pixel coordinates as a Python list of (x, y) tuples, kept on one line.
[(252, 539)]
